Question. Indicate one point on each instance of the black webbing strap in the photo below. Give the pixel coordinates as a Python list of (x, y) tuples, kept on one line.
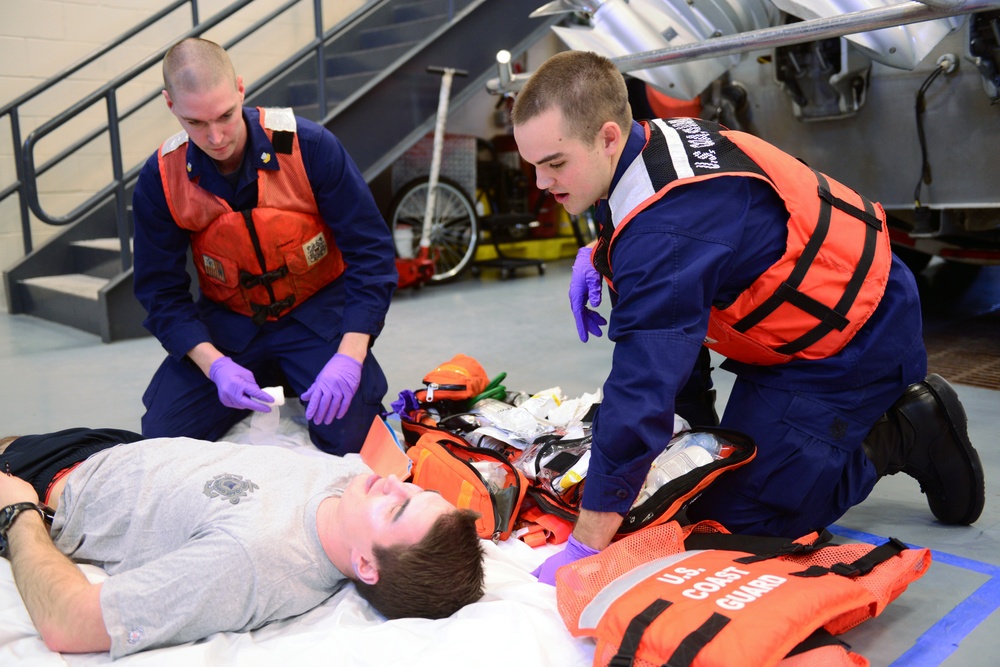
[(261, 312), (861, 566), (656, 156), (636, 629), (691, 646), (249, 280), (762, 547), (829, 319), (809, 253), (818, 639), (864, 215), (857, 280)]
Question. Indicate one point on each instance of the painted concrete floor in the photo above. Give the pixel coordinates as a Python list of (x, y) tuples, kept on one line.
[(56, 377)]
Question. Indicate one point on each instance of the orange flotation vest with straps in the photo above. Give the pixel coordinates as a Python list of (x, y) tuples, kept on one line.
[(692, 597), (264, 261), (831, 277)]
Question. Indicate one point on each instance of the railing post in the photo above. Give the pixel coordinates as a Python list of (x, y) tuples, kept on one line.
[(22, 200), (124, 233), (320, 58)]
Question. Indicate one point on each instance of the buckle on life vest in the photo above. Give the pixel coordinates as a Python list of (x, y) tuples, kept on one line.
[(262, 312), (249, 280), (850, 570)]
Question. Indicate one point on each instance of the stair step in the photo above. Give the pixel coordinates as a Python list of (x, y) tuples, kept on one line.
[(112, 244), (76, 284)]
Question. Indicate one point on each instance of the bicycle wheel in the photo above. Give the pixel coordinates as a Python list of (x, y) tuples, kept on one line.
[(454, 226)]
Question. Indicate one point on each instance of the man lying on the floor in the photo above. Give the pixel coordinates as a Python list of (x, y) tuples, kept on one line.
[(200, 538)]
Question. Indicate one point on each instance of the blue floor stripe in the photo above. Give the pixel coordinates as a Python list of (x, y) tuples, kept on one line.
[(941, 639)]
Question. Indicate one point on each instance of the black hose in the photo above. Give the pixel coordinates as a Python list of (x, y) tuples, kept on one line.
[(925, 165)]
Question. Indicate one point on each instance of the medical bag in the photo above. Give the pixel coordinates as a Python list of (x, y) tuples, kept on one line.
[(475, 478), (551, 500), (457, 379), (538, 495)]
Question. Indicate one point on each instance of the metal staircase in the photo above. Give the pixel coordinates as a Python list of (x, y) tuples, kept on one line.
[(364, 79)]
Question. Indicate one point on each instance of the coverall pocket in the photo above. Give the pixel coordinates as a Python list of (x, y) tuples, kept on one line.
[(817, 443)]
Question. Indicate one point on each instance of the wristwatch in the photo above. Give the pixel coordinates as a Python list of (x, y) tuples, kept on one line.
[(9, 514)]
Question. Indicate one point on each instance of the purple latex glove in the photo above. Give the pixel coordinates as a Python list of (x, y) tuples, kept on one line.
[(585, 284), (237, 387), (332, 392), (574, 551), (406, 404)]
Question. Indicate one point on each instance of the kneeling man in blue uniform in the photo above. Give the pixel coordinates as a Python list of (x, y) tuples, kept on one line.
[(295, 264), (714, 239)]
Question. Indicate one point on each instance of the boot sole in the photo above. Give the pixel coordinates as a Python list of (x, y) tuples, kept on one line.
[(947, 398)]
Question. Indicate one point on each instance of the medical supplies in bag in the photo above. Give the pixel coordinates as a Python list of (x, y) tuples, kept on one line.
[(554, 464), (522, 460)]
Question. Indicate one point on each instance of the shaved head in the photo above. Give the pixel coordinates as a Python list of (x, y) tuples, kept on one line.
[(195, 65)]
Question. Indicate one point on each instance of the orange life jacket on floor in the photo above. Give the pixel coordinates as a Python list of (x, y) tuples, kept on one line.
[(809, 303), (264, 261), (668, 595)]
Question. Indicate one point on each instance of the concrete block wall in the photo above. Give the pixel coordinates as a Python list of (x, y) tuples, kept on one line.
[(41, 38)]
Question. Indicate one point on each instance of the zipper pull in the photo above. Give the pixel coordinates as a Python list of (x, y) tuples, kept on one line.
[(430, 391)]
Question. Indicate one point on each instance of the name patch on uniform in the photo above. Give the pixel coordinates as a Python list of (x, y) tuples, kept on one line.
[(229, 487), (315, 249), (213, 268)]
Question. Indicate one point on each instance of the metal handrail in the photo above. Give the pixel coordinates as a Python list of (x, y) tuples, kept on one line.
[(27, 173), (793, 33), (12, 108)]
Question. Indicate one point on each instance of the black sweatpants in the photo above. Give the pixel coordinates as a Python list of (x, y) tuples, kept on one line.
[(38, 458)]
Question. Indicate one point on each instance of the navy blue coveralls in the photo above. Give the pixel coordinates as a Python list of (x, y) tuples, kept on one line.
[(702, 244), (180, 400)]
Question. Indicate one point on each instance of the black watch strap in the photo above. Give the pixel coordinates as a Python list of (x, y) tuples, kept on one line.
[(9, 514)]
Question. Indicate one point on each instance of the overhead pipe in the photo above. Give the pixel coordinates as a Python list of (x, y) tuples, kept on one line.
[(799, 32)]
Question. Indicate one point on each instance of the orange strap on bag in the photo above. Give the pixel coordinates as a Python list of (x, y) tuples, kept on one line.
[(542, 527), (458, 379)]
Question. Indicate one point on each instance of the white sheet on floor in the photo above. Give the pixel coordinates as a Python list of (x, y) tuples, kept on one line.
[(516, 622)]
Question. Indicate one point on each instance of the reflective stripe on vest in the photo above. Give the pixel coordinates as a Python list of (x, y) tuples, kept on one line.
[(835, 267), (648, 601), (264, 261)]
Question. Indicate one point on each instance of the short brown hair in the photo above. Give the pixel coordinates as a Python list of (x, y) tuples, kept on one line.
[(196, 64), (588, 88), (434, 578)]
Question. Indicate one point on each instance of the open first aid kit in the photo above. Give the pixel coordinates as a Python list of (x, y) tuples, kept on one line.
[(691, 461), (520, 460)]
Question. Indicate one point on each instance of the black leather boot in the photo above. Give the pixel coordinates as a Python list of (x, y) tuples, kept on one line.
[(924, 434)]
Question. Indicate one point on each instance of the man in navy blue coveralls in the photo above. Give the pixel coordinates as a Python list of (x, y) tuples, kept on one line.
[(219, 359), (826, 429)]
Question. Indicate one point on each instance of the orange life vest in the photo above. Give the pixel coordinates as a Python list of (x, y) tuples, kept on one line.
[(808, 304), (264, 261), (648, 600)]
